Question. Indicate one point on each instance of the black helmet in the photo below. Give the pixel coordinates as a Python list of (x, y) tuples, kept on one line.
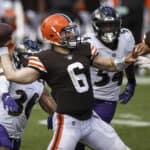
[(107, 23), (23, 50)]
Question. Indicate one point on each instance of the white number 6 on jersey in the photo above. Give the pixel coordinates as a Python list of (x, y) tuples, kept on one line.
[(78, 78)]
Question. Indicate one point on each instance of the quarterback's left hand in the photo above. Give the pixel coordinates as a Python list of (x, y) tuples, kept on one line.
[(127, 94)]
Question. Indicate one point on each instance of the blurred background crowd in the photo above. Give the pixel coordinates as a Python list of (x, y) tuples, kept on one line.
[(25, 15)]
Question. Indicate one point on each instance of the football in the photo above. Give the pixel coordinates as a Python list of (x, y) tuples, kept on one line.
[(146, 38), (5, 33)]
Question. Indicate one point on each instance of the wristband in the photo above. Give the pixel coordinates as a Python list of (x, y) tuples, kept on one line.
[(3, 51), (120, 64)]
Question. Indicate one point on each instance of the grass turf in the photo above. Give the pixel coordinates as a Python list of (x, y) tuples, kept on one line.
[(37, 136)]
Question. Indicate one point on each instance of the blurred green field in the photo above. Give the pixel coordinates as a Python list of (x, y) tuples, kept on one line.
[(132, 122)]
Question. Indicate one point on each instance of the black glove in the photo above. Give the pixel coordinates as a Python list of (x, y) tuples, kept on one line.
[(50, 122)]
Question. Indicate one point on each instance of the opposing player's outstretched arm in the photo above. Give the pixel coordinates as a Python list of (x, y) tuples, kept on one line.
[(23, 75), (113, 64), (104, 63), (47, 102)]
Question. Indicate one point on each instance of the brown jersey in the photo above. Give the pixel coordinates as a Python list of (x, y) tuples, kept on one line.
[(69, 79)]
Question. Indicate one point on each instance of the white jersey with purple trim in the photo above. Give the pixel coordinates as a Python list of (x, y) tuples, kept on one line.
[(106, 85), (26, 95)]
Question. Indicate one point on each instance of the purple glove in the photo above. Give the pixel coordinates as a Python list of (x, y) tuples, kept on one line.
[(127, 94), (50, 122), (9, 103)]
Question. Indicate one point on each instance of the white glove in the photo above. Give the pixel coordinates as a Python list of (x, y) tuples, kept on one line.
[(143, 62), (145, 66)]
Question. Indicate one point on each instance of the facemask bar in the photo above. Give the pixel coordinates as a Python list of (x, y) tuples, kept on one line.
[(70, 36), (107, 24), (23, 51), (108, 30)]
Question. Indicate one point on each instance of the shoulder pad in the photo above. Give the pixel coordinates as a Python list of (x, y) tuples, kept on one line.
[(126, 32), (127, 35)]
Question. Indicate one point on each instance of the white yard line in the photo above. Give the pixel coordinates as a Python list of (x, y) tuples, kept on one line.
[(140, 80), (132, 123), (129, 119)]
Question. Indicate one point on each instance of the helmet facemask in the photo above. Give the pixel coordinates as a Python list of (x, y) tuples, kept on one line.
[(108, 30), (107, 23), (22, 51), (20, 56), (70, 36)]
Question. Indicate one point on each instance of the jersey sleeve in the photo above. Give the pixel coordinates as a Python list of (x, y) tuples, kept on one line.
[(93, 50), (35, 62), (89, 39)]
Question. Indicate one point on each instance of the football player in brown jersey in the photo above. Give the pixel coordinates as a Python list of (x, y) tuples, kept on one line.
[(65, 67)]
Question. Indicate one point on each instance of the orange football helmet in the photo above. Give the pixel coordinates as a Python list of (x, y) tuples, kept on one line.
[(58, 29)]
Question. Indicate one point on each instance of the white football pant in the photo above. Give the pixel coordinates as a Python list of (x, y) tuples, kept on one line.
[(94, 132)]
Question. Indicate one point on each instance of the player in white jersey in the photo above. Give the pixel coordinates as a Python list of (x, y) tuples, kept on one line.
[(16, 103), (111, 41)]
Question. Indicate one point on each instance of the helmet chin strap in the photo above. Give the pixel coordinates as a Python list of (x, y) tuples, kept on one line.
[(68, 45), (71, 44)]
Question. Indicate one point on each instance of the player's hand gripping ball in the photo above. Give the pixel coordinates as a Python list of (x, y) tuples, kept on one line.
[(5, 33)]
